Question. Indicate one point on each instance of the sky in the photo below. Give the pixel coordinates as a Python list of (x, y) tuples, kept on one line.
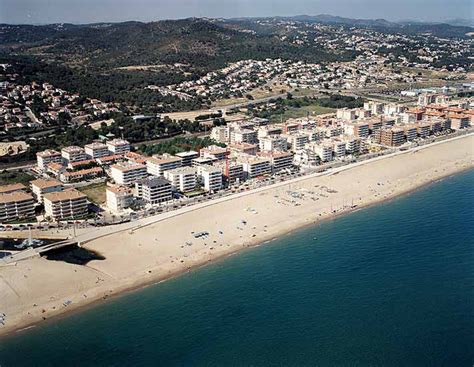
[(90, 11)]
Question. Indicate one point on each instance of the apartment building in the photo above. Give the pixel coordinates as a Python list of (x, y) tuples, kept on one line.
[(306, 158), (411, 132), (73, 154), (423, 129), (221, 134), (81, 164), (16, 205), (324, 150), (157, 165), (353, 145), (297, 141), (118, 146), (187, 157), (41, 186), (357, 129), (83, 174), (66, 204), (255, 166), (331, 131), (278, 160), (215, 152), (128, 174), (346, 114), (459, 122), (211, 177), (46, 157), (270, 130), (182, 179), (153, 190), (270, 143), (96, 150), (244, 136), (118, 198), (201, 161), (339, 147), (392, 136), (243, 148)]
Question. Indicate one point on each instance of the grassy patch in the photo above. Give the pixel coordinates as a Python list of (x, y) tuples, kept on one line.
[(95, 192), (11, 177)]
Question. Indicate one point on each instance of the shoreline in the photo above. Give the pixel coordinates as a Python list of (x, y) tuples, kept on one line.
[(122, 282)]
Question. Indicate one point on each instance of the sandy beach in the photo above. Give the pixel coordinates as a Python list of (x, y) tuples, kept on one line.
[(36, 289)]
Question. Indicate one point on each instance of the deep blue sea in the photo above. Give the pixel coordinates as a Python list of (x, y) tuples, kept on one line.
[(390, 285)]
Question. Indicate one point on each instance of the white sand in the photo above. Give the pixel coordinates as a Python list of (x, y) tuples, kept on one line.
[(36, 288)]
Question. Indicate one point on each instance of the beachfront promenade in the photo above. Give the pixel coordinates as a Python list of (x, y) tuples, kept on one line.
[(94, 233)]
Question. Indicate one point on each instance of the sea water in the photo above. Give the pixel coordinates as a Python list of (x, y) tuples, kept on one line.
[(389, 285)]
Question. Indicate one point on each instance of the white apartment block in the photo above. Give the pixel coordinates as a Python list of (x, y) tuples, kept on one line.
[(305, 158), (244, 136), (187, 157), (323, 150), (221, 134), (46, 157), (339, 148), (331, 131), (96, 150), (376, 108), (278, 160), (153, 190), (128, 174), (352, 145), (255, 166), (231, 170), (118, 198), (215, 152), (157, 165), (16, 205), (297, 141), (268, 130), (270, 143), (358, 129), (182, 179), (65, 204), (346, 114), (211, 177), (316, 134), (73, 154), (118, 146), (41, 186)]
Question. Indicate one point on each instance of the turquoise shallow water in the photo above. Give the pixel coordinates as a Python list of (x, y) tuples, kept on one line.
[(390, 285)]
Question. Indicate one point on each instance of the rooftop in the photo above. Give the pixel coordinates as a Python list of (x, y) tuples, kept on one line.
[(163, 160), (116, 142), (96, 146), (12, 187), (48, 153), (44, 184), (69, 194), (128, 167), (72, 149), (153, 181), (15, 197)]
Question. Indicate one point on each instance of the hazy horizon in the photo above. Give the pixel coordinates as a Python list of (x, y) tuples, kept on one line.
[(95, 11)]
